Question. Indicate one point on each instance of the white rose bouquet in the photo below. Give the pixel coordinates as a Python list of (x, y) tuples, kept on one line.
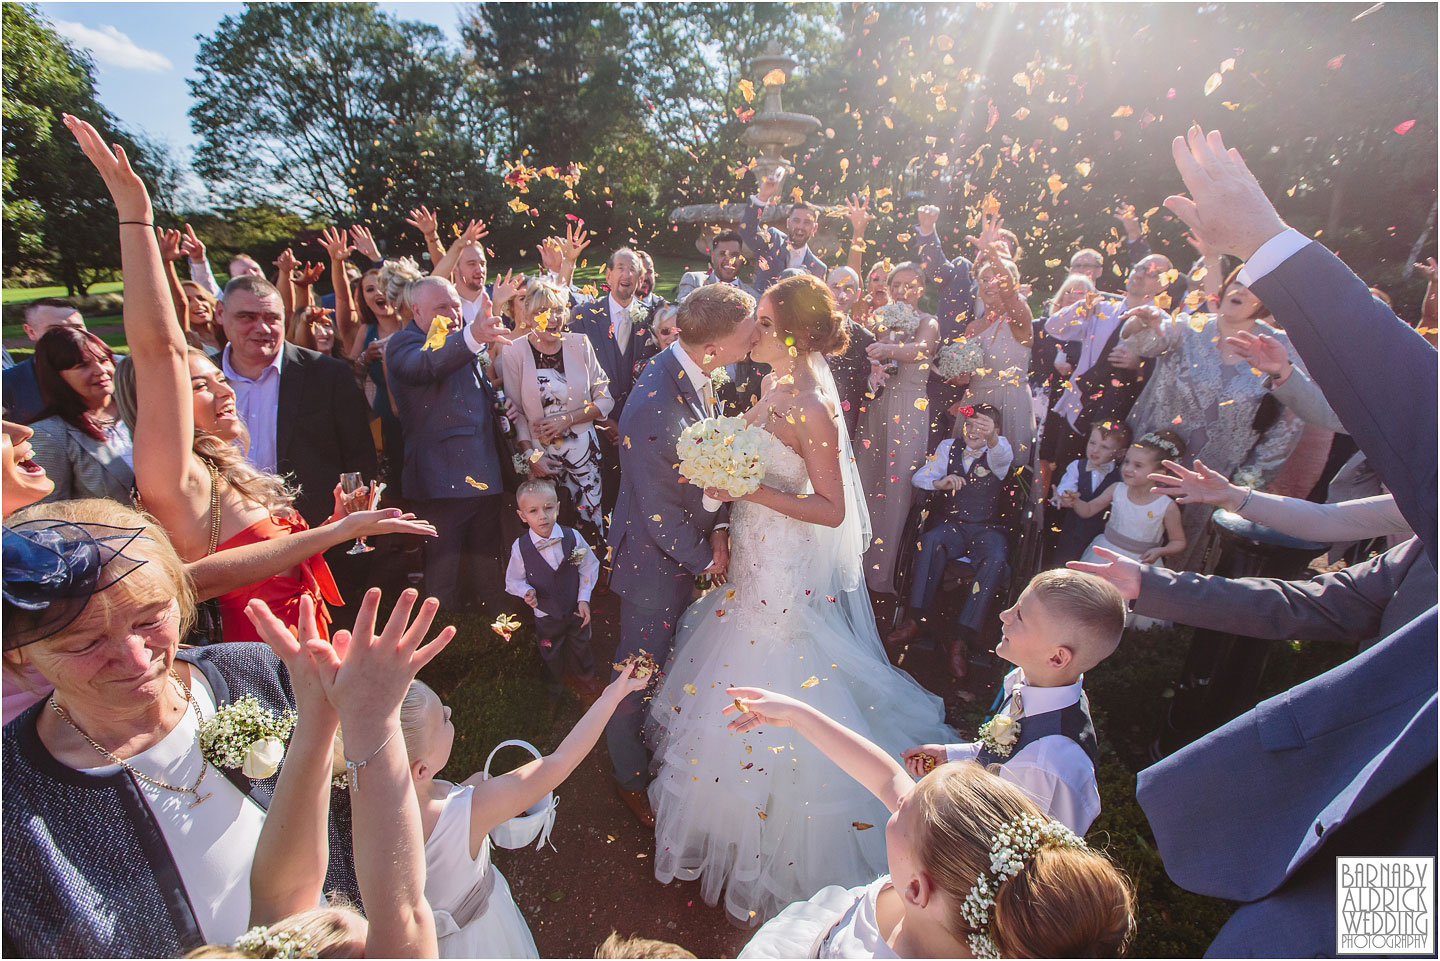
[(246, 735), (959, 358), (722, 452)]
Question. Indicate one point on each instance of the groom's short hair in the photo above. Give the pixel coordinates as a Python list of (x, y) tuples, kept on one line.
[(713, 312)]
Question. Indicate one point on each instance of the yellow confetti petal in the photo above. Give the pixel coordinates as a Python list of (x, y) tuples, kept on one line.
[(1214, 81), (518, 205), (921, 403), (691, 689), (861, 825), (809, 682), (656, 518), (476, 484), (774, 78), (747, 90), (1084, 167), (1123, 111), (1061, 124)]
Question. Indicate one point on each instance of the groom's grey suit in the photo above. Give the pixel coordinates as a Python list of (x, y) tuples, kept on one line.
[(660, 537)]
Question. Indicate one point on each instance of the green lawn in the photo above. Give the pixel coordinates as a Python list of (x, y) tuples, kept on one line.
[(23, 295)]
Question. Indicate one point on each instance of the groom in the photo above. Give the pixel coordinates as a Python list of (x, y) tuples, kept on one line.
[(661, 535)]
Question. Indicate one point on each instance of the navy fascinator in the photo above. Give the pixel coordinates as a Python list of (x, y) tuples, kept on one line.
[(53, 568)]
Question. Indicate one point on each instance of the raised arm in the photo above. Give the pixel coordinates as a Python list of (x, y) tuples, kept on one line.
[(858, 210), (425, 221), (877, 771), (172, 249), (576, 240), (472, 233), (200, 271), (285, 266), (347, 326), (165, 471)]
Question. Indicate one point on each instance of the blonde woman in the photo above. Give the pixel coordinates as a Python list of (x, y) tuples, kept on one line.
[(559, 390)]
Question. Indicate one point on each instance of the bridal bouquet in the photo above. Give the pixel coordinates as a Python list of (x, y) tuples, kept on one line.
[(959, 358), (722, 452)]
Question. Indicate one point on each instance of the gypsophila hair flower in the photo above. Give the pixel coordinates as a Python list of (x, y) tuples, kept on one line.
[(258, 942), (1012, 846), (1161, 443)]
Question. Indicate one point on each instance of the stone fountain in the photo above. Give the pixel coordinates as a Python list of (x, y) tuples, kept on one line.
[(771, 131)]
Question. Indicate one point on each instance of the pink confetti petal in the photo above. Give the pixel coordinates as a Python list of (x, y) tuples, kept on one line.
[(1404, 128)]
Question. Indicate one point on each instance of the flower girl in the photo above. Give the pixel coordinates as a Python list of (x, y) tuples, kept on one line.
[(476, 916), (975, 869)]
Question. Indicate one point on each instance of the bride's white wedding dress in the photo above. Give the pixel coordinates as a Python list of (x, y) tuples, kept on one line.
[(765, 816)]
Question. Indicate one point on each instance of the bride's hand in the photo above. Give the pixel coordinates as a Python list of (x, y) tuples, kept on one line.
[(755, 707), (723, 496)]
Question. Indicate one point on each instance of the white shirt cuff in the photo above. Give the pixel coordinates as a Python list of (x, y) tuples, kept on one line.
[(470, 341), (1272, 254)]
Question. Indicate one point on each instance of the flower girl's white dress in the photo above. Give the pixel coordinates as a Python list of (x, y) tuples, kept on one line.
[(475, 914), (765, 815), (835, 923)]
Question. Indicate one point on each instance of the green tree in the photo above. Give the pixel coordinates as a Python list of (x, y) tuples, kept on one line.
[(341, 111), (57, 213)]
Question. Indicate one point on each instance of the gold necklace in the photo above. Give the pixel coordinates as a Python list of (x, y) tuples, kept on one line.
[(193, 791)]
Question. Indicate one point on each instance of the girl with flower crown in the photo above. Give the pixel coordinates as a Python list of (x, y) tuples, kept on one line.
[(975, 869)]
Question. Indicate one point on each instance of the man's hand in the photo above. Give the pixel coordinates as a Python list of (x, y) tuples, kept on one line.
[(720, 544), (858, 210), (424, 220), (336, 244), (1125, 213), (1123, 358), (530, 597), (286, 263), (610, 428), (1264, 353), (576, 240), (170, 243), (365, 242), (474, 231), (489, 330), (1118, 569), (192, 246), (1148, 314), (926, 218), (1226, 204), (583, 609), (770, 186), (551, 256)]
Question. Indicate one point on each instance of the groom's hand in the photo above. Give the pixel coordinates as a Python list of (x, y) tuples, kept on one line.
[(720, 543)]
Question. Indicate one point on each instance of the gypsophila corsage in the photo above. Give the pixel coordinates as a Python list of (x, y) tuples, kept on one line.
[(959, 358), (722, 452), (638, 313), (1012, 845), (999, 734), (259, 942), (719, 377), (245, 735), (577, 556), (1247, 477)]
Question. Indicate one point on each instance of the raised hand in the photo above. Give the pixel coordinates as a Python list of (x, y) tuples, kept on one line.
[(1201, 245), (990, 235), (1203, 485), (286, 263), (858, 210), (192, 246), (551, 255), (1148, 314), (985, 424), (423, 220), (489, 330), (927, 217), (310, 273), (1261, 351), (577, 238), (1118, 569), (365, 242), (290, 646), (1125, 213), (503, 289), (1427, 269), (170, 243), (769, 186), (336, 244), (1226, 203), (132, 200), (474, 230)]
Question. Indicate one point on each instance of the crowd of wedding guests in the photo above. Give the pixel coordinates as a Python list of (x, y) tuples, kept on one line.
[(208, 488)]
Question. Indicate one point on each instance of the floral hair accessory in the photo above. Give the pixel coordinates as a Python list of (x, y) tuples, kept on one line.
[(1155, 440), (246, 735), (260, 943), (1012, 846), (53, 568)]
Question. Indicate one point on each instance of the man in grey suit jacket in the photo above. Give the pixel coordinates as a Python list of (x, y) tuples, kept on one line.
[(724, 267), (1346, 761), (777, 250), (661, 536), (452, 463)]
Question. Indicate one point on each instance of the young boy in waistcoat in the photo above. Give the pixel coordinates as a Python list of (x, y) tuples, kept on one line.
[(1064, 623), (1088, 476), (553, 570), (972, 467)]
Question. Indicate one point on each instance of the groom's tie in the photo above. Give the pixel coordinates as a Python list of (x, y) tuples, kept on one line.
[(707, 395)]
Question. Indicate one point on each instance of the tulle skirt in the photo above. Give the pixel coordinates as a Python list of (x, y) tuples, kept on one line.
[(765, 818)]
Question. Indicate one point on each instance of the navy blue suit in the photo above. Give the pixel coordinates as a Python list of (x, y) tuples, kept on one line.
[(956, 281), (1345, 763), (772, 250)]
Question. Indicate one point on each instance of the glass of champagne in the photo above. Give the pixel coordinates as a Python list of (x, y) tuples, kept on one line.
[(349, 484)]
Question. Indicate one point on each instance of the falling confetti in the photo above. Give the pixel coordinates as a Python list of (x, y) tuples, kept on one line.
[(809, 682), (1214, 81)]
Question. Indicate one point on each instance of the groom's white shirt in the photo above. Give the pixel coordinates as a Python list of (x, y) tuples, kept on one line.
[(698, 378)]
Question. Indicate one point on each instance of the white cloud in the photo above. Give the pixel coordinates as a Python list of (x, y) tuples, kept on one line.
[(113, 48)]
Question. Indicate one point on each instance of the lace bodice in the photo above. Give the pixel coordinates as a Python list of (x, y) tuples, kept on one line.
[(767, 548)]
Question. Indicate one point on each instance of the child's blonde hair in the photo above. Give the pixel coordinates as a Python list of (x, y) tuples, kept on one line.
[(633, 947), (324, 931), (1091, 609), (1065, 903), (412, 726)]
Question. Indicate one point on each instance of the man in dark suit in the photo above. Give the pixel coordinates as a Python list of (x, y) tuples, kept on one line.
[(452, 461), (776, 250), (1344, 764), (305, 415), (23, 402), (618, 327)]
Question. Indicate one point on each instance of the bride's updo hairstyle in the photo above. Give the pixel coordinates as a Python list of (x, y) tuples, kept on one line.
[(805, 310), (1066, 902)]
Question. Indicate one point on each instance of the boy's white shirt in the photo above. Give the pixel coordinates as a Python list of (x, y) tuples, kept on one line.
[(1054, 771), (1070, 480), (1001, 457), (516, 584)]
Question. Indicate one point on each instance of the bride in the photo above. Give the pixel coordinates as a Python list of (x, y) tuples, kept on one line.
[(764, 816)]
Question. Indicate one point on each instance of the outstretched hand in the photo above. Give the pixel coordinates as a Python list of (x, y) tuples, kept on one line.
[(336, 244), (132, 200), (171, 242), (289, 644), (423, 220), (858, 210), (755, 707), (1226, 204), (1203, 485), (1261, 351), (192, 245), (1118, 569), (365, 242)]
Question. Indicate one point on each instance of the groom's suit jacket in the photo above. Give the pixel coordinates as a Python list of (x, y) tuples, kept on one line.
[(1345, 763), (659, 531)]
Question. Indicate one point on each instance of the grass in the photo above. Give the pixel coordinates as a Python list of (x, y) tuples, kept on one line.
[(23, 295)]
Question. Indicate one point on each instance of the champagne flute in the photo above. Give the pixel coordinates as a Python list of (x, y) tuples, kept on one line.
[(349, 484)]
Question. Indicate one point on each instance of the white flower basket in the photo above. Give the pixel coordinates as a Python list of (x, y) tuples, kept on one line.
[(536, 822)]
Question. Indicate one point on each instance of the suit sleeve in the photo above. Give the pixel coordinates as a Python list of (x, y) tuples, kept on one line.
[(1344, 606), (1350, 520), (1301, 394), (758, 238), (688, 283), (1356, 350), (929, 252), (408, 363)]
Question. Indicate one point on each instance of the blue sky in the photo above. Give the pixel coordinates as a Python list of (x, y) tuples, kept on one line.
[(144, 52)]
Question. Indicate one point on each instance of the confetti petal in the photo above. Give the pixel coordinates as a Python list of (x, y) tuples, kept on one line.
[(809, 682)]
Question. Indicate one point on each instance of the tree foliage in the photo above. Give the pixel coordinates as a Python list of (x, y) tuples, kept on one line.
[(57, 212)]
